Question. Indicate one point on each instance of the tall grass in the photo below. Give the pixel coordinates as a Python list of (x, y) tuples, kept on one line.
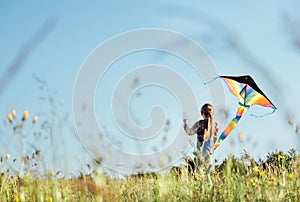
[(235, 179), (243, 179)]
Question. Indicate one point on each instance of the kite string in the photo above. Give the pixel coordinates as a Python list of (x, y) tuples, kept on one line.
[(197, 93), (264, 115), (203, 83), (208, 82)]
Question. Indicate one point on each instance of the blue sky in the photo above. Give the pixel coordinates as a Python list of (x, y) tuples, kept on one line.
[(81, 26)]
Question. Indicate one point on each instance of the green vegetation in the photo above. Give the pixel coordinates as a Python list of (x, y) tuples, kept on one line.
[(276, 178), (243, 179)]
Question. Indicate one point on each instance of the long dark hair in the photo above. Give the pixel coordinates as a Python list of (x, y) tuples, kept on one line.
[(207, 111)]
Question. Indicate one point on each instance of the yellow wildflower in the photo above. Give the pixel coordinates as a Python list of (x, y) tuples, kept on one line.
[(291, 176), (255, 169), (35, 118), (27, 175), (252, 182), (7, 156), (10, 117), (281, 156), (17, 199), (25, 115), (262, 173), (50, 199), (13, 113), (272, 180)]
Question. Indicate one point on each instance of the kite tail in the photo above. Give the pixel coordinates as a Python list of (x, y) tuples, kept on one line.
[(241, 110), (208, 82), (261, 116)]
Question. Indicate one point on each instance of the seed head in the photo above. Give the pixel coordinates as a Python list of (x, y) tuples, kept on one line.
[(25, 115), (13, 113), (35, 118), (9, 118)]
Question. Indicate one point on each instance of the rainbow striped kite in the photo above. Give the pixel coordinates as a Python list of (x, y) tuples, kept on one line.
[(248, 94)]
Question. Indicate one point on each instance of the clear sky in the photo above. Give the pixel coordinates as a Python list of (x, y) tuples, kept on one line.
[(241, 38)]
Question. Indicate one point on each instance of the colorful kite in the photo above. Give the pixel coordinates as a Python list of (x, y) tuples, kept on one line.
[(248, 94)]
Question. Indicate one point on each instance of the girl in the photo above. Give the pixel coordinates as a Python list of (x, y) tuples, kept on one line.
[(206, 130)]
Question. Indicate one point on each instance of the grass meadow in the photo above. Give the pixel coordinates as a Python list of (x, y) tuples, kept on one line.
[(276, 178)]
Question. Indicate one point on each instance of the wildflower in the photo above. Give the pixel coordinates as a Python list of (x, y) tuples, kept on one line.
[(255, 169), (252, 181), (262, 173), (7, 156), (25, 115), (10, 117), (27, 175), (13, 113), (50, 199), (52, 173), (291, 176), (35, 118), (17, 199), (272, 180), (281, 156)]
